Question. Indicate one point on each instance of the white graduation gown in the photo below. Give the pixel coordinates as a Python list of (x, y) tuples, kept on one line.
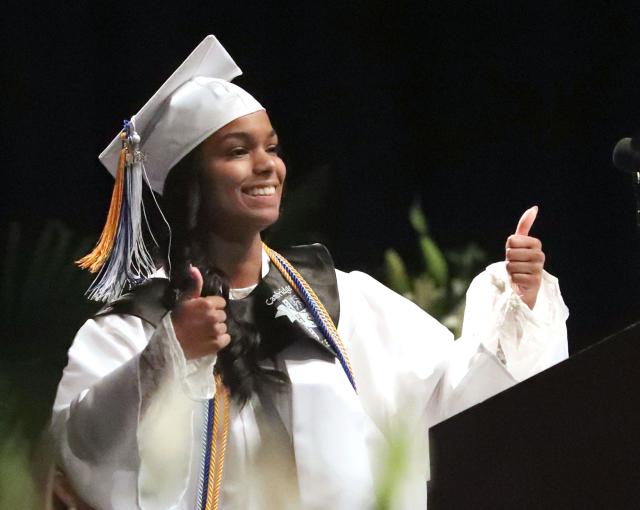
[(130, 410)]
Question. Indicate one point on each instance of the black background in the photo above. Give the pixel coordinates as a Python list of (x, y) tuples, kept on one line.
[(481, 109)]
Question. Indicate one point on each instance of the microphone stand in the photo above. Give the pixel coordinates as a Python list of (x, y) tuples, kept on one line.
[(636, 193), (626, 157)]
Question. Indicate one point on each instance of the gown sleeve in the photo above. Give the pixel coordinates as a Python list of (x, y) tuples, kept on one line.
[(125, 385), (408, 364)]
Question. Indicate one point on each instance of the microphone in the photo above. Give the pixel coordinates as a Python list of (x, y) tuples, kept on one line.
[(626, 157)]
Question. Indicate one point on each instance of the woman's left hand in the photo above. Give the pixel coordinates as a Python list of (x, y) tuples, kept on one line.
[(525, 259)]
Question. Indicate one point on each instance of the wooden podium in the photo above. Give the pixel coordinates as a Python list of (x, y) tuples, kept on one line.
[(568, 438)]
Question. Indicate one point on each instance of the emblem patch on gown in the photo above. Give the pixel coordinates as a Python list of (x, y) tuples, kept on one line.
[(289, 305)]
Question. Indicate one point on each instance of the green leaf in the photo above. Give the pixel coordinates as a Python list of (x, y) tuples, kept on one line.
[(426, 293), (417, 219), (435, 263), (396, 272)]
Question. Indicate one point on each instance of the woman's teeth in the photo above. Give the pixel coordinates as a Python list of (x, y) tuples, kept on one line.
[(261, 191)]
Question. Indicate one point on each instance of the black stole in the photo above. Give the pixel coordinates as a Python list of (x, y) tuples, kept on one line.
[(277, 313), (280, 319)]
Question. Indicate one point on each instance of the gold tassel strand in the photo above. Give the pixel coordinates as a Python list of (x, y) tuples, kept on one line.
[(218, 449), (95, 260), (223, 449)]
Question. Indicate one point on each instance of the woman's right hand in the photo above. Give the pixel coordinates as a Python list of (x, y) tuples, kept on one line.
[(199, 322)]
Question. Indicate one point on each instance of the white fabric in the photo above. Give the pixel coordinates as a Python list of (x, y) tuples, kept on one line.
[(243, 292), (196, 100), (129, 412)]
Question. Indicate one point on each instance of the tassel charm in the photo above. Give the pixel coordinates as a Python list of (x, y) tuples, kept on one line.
[(121, 257)]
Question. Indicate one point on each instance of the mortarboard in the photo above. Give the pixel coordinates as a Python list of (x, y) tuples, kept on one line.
[(196, 101)]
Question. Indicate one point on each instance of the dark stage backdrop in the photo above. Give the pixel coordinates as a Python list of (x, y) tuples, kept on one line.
[(479, 108)]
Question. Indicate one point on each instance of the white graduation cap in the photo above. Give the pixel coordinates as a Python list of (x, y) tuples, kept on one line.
[(196, 101)]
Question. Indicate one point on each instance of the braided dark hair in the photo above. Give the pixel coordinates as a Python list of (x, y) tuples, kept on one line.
[(238, 362)]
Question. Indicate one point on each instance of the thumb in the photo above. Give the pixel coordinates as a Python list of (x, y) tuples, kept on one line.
[(195, 288), (527, 219)]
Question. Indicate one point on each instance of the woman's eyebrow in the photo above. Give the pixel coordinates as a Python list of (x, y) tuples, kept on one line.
[(236, 134), (244, 135)]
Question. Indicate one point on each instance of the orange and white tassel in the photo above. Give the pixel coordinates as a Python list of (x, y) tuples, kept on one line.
[(121, 257), (96, 259)]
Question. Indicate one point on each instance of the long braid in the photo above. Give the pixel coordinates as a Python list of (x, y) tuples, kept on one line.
[(238, 363)]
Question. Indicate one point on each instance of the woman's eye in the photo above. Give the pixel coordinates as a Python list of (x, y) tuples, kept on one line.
[(238, 151), (275, 149)]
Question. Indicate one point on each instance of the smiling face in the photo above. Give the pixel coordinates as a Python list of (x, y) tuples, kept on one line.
[(242, 176)]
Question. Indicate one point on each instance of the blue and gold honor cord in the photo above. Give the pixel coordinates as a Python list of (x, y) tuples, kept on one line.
[(219, 407), (320, 315)]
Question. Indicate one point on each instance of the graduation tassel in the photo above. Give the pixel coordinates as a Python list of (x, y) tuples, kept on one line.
[(121, 256), (95, 260)]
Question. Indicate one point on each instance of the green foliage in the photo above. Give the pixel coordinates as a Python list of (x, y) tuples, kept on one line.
[(394, 468), (397, 277), (40, 287), (17, 488), (41, 307), (417, 220), (434, 260), (440, 285)]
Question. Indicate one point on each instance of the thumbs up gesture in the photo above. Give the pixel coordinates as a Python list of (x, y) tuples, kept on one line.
[(199, 322), (525, 259)]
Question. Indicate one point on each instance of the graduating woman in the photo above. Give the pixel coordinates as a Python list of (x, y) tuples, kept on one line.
[(236, 377)]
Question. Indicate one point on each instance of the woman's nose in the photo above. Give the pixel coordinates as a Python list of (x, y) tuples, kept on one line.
[(263, 162)]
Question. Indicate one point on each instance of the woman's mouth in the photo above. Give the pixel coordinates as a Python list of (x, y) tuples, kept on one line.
[(260, 191)]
